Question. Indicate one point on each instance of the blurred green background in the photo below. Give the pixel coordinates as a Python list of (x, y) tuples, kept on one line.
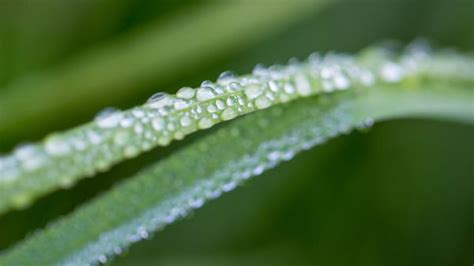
[(400, 194)]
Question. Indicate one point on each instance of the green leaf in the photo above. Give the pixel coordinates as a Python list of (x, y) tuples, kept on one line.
[(62, 159), (220, 162)]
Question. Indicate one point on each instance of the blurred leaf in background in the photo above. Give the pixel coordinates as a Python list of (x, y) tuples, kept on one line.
[(400, 195)]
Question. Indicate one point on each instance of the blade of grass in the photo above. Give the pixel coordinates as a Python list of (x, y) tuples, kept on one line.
[(220, 162), (62, 159)]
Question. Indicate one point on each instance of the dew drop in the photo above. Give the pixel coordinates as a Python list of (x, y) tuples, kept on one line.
[(288, 88), (130, 151), (262, 102), (180, 104), (252, 91), (186, 93), (138, 113), (185, 121), (108, 117), (228, 114), (204, 94), (226, 77), (208, 84), (205, 123), (391, 72), (229, 186), (55, 146), (158, 123), (230, 101), (164, 140), (196, 203), (102, 259), (220, 104), (126, 122), (341, 82), (159, 100), (211, 108), (303, 87), (273, 86)]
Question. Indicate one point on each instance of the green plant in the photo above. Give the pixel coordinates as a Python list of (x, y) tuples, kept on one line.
[(345, 93), (398, 193)]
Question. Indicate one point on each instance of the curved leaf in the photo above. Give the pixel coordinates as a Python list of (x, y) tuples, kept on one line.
[(114, 136)]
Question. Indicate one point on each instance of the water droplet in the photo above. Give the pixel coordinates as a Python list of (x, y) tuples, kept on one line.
[(159, 100), (341, 82), (220, 104), (230, 101), (186, 93), (164, 140), (180, 104), (252, 91), (229, 186), (138, 113), (274, 156), (158, 123), (102, 259), (262, 102), (108, 117), (288, 88), (204, 94), (259, 70), (131, 151), (228, 114), (211, 108), (367, 78), (273, 86), (126, 122), (205, 123), (391, 72), (185, 121), (196, 203), (121, 138), (207, 84), (303, 87), (56, 146), (226, 77)]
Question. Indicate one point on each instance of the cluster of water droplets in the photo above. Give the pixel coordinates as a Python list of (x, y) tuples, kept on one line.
[(115, 135)]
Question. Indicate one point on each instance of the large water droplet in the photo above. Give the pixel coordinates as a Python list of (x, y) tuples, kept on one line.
[(262, 102), (186, 93), (205, 123), (226, 78), (228, 114), (204, 94), (252, 91), (56, 146), (108, 117), (159, 100), (391, 72)]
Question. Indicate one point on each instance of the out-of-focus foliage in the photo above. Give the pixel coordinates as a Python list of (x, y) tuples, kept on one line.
[(401, 194)]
